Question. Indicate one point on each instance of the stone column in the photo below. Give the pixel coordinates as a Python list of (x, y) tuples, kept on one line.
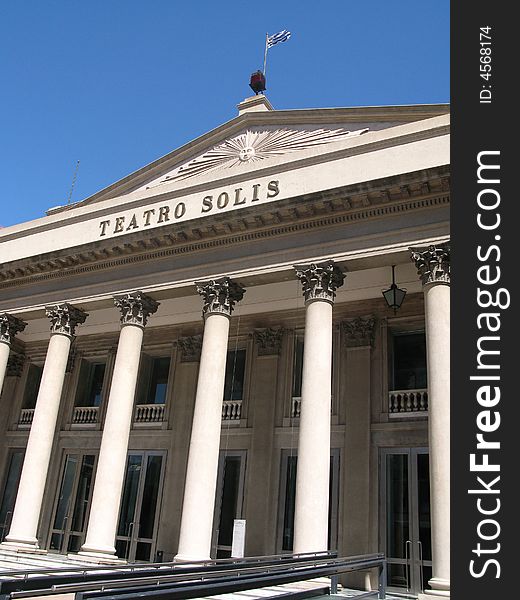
[(24, 526), (99, 544), (319, 282), (433, 265), (201, 476), (358, 337), (9, 327)]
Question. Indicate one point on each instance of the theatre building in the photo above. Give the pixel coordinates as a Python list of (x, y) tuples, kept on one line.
[(207, 340)]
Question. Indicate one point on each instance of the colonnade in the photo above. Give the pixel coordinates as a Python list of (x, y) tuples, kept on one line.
[(319, 284)]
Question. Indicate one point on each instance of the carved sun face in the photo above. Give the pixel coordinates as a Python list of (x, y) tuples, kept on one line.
[(257, 145)]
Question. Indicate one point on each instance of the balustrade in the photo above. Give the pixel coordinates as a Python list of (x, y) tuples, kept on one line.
[(149, 413), (26, 416), (407, 401), (85, 415), (231, 410)]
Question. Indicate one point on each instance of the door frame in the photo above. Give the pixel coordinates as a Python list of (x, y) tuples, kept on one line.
[(67, 532), (223, 454), (133, 539), (413, 547), (335, 454)]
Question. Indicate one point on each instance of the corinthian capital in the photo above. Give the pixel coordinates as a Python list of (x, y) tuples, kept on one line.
[(64, 318), (219, 295), (433, 263), (135, 308), (358, 332), (320, 280), (9, 327)]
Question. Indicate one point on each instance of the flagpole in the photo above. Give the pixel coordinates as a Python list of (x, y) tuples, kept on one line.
[(265, 53)]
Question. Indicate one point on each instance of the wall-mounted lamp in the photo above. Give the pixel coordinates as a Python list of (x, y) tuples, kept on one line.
[(394, 296)]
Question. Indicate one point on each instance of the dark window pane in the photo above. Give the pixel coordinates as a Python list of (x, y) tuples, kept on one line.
[(126, 515), (423, 485), (74, 543), (297, 368), (228, 508), (64, 499), (235, 370), (34, 377), (96, 384), (150, 495), (10, 491), (83, 493), (143, 551), (90, 384), (397, 575), (397, 510), (290, 496), (158, 381), (122, 547), (409, 356)]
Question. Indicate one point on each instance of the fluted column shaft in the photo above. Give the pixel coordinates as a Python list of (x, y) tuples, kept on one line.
[(108, 486), (26, 514), (433, 264), (201, 475), (9, 327), (319, 282)]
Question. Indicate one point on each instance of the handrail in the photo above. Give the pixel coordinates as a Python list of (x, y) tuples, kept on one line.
[(179, 578), (28, 578)]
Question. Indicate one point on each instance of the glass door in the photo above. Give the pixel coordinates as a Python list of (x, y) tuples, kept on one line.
[(140, 506), (406, 527), (10, 490), (73, 503), (230, 497)]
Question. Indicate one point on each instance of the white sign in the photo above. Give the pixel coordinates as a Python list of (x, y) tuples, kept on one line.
[(239, 538)]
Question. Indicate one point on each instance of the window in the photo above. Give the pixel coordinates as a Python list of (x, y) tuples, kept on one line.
[(297, 367), (235, 373), (154, 379), (90, 385), (409, 361), (34, 377)]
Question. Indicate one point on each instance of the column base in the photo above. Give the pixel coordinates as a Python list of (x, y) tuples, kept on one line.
[(97, 558), (186, 558), (440, 589), (22, 545)]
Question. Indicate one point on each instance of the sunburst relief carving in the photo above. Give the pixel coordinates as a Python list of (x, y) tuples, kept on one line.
[(255, 146)]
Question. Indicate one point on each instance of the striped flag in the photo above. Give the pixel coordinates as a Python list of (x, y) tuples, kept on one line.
[(276, 38)]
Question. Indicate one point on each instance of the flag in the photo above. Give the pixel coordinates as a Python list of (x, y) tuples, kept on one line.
[(281, 36)]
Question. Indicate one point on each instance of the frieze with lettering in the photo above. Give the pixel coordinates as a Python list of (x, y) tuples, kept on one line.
[(174, 211)]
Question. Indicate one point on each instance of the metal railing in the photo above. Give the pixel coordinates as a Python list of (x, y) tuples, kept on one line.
[(407, 401), (161, 581)]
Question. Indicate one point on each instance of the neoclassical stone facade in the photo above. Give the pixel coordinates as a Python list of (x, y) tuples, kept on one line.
[(207, 340)]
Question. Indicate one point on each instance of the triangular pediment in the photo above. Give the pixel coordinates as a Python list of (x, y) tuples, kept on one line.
[(252, 146), (256, 140)]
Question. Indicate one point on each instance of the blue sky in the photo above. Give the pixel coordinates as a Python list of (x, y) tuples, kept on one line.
[(119, 83)]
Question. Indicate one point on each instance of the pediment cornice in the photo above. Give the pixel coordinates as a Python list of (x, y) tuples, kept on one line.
[(328, 118)]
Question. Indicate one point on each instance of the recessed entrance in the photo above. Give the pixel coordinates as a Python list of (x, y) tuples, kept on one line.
[(230, 499), (139, 514), (72, 503), (406, 527)]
